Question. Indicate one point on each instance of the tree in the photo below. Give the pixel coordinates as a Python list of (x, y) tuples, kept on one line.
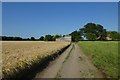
[(76, 36), (91, 36), (56, 36), (63, 35), (114, 35), (11, 38), (48, 38), (91, 31), (32, 38), (41, 38), (27, 39)]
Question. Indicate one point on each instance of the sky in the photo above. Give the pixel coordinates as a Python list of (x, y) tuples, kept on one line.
[(60, 0), (0, 18), (27, 19)]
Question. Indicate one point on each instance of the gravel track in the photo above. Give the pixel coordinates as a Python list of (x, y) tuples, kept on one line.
[(72, 63)]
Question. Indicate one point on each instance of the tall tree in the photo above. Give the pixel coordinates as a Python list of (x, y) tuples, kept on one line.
[(32, 38), (56, 36), (91, 36), (48, 37), (114, 35), (76, 36), (91, 31), (41, 38)]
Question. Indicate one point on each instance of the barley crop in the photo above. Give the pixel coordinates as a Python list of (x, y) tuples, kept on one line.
[(17, 55)]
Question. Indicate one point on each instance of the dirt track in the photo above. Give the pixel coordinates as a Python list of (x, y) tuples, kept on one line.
[(73, 63)]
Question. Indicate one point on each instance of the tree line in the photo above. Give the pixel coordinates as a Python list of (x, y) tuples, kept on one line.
[(42, 38), (90, 31)]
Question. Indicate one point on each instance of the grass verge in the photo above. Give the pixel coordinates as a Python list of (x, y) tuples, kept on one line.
[(104, 55)]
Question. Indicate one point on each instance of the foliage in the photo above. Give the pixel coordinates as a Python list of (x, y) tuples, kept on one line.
[(32, 38), (114, 35), (91, 31), (41, 38), (91, 36), (104, 55), (51, 37), (56, 36), (76, 36), (48, 37), (10, 38)]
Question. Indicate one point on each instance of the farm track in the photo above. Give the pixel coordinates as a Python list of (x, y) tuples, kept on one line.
[(72, 63)]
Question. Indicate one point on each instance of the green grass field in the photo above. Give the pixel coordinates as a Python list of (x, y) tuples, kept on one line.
[(104, 55)]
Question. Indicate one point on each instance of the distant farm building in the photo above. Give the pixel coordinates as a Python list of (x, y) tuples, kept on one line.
[(64, 39), (106, 38)]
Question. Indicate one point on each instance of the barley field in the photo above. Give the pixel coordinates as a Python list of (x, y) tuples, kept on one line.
[(104, 55), (17, 55)]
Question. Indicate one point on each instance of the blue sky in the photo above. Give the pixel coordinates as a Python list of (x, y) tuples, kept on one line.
[(26, 19)]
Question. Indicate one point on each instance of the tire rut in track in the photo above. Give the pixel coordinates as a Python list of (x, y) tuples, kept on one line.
[(72, 63), (78, 65)]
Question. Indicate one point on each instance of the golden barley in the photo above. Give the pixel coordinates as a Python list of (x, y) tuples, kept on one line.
[(20, 54)]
